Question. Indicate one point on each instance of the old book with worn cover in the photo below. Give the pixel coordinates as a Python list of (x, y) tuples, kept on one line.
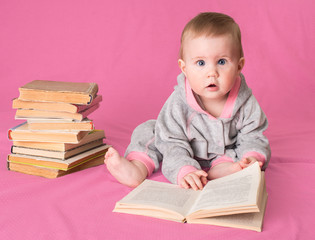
[(53, 163), (51, 172), (53, 106), (57, 91), (34, 113), (22, 133), (56, 154), (61, 146), (60, 124)]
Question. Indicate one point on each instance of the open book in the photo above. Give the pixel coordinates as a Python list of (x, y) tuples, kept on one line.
[(237, 200)]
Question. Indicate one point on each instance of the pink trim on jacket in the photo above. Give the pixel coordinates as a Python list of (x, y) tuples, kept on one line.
[(230, 102), (191, 100), (256, 155), (228, 107), (184, 171), (144, 158)]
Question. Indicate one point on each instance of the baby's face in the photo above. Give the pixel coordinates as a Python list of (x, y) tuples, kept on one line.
[(211, 65)]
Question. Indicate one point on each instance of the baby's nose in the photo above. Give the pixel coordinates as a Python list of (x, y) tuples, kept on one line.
[(212, 72)]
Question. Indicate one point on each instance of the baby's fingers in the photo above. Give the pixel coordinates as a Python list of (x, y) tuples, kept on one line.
[(194, 182), (184, 184), (201, 173), (245, 162), (188, 182), (204, 180)]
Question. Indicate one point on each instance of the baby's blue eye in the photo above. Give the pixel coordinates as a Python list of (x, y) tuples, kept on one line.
[(221, 61), (201, 63)]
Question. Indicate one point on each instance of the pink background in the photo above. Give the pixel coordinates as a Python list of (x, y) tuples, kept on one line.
[(130, 49)]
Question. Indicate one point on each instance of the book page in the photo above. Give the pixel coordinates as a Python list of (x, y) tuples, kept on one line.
[(251, 221), (238, 189), (152, 194)]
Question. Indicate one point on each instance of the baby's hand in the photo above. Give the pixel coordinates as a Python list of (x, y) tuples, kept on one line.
[(195, 180), (245, 162)]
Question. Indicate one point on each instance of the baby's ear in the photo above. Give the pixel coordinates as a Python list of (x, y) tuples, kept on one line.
[(241, 64), (182, 65)]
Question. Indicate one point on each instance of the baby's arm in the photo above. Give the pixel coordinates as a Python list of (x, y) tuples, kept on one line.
[(195, 180), (251, 141), (172, 141)]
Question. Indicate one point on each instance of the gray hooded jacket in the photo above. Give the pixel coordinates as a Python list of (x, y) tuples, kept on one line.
[(186, 135)]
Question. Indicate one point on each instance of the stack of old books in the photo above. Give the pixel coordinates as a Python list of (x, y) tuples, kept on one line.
[(57, 138)]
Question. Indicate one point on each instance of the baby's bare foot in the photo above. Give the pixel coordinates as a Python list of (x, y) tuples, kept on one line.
[(129, 173)]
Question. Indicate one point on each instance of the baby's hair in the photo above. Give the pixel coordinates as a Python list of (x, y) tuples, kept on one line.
[(211, 24)]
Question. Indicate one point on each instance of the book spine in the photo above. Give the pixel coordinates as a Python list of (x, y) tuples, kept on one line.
[(91, 100), (8, 165), (93, 91), (9, 134), (97, 99), (12, 129), (88, 111)]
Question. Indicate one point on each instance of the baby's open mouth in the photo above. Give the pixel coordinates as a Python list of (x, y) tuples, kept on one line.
[(212, 85)]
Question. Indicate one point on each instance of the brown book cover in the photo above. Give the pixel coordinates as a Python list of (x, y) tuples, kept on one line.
[(60, 146), (60, 124), (22, 133), (50, 172), (53, 163), (56, 154), (33, 113), (53, 106), (57, 91)]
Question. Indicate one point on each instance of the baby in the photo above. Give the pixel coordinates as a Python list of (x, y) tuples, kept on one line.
[(211, 125)]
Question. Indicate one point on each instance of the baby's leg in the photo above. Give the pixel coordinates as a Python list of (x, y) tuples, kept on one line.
[(141, 157), (129, 173), (223, 169)]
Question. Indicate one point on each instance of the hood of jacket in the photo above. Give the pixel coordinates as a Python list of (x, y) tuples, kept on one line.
[(238, 95)]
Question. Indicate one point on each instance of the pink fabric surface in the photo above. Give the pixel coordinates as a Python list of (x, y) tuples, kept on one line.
[(130, 49)]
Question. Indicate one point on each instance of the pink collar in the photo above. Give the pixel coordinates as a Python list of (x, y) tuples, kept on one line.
[(228, 107)]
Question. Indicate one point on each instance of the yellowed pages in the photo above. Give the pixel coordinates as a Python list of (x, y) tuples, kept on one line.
[(250, 221), (232, 194), (158, 199), (235, 193)]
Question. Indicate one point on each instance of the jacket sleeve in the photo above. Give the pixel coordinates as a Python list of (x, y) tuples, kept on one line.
[(171, 139), (250, 138)]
